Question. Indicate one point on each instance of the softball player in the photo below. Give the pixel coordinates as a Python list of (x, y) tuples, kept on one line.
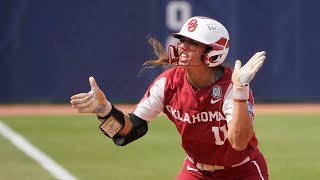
[(210, 104)]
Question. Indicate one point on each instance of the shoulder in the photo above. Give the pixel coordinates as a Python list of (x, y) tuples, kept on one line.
[(169, 76), (225, 79), (228, 70), (227, 73), (171, 80), (173, 71), (173, 74)]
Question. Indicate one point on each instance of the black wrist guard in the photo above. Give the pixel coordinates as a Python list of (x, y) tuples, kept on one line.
[(113, 122), (139, 129)]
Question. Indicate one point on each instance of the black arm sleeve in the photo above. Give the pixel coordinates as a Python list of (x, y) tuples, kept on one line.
[(139, 129)]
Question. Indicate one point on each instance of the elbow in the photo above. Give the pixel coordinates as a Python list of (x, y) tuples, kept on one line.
[(239, 146), (237, 143)]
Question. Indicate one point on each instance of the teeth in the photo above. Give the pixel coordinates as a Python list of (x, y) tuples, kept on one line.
[(183, 54), (183, 59)]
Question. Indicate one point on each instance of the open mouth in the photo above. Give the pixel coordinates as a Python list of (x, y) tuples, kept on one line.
[(183, 59), (181, 56)]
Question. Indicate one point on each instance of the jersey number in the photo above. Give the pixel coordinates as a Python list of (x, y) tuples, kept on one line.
[(216, 132)]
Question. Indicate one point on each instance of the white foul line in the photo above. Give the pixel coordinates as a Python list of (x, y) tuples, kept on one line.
[(45, 161)]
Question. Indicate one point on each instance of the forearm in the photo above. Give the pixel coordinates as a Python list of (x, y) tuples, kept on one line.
[(121, 128), (240, 129), (127, 126), (105, 112)]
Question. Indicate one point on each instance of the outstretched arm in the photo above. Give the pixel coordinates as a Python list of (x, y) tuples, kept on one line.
[(240, 129), (123, 129)]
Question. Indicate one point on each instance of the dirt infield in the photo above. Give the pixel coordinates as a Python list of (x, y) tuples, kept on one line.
[(49, 109)]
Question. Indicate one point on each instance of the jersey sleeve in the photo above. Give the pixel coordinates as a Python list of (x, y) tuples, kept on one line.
[(227, 107), (153, 101)]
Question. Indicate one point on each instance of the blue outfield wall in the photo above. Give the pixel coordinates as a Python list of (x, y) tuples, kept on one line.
[(48, 49)]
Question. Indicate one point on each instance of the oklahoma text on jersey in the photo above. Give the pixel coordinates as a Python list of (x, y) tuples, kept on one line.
[(195, 118)]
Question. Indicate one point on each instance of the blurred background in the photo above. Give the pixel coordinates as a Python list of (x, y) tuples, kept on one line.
[(48, 49)]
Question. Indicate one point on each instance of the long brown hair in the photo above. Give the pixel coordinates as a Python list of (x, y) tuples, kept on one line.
[(161, 53)]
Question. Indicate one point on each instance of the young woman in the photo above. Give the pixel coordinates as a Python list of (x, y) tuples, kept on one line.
[(211, 105)]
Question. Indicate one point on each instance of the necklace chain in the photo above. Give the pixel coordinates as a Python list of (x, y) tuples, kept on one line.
[(196, 87)]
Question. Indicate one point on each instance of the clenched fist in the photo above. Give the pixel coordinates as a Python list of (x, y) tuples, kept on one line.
[(92, 102), (242, 76)]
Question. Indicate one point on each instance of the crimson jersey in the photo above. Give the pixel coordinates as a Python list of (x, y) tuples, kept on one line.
[(201, 117)]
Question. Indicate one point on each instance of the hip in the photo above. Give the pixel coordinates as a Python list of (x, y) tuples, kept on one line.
[(248, 169)]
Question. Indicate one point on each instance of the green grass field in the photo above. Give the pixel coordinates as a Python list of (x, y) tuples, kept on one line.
[(290, 143)]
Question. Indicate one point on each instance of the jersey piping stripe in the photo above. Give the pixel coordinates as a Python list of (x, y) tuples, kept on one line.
[(258, 168)]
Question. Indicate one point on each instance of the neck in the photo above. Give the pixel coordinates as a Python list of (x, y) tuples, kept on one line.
[(201, 78)]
